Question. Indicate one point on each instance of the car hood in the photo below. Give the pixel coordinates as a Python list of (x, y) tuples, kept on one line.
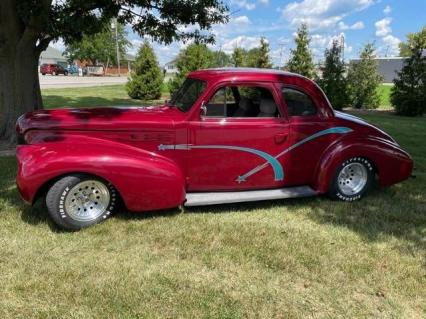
[(108, 118)]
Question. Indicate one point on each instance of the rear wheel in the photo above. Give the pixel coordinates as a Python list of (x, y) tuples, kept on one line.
[(78, 201), (66, 73), (352, 180)]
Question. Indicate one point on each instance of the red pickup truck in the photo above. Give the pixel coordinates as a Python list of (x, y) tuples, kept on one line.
[(228, 135)]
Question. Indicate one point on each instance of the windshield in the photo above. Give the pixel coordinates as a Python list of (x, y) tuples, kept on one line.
[(188, 93)]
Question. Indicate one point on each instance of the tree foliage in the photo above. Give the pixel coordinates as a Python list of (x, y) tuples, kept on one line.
[(301, 60), (363, 80), (333, 80), (413, 39), (196, 56), (99, 48), (220, 59), (259, 57), (408, 95), (146, 78), (238, 57)]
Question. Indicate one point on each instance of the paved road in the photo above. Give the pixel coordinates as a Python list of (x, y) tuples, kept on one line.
[(60, 81)]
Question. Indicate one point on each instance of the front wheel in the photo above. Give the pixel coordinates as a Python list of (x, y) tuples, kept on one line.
[(78, 201), (353, 179)]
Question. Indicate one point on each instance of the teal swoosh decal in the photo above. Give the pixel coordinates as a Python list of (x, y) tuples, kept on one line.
[(332, 130), (276, 165), (270, 160)]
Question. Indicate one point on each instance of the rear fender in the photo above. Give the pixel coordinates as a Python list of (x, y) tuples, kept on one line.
[(145, 180), (392, 164)]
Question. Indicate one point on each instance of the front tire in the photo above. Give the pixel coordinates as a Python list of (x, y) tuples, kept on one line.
[(78, 201), (352, 180)]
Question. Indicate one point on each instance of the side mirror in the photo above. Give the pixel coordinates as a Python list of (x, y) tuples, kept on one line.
[(203, 109)]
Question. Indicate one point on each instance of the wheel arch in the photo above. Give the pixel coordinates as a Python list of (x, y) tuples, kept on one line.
[(144, 180), (390, 163)]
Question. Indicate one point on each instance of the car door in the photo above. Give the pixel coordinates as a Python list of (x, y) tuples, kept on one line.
[(234, 149), (310, 133)]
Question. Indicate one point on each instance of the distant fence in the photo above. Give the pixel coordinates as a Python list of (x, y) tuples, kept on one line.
[(114, 71)]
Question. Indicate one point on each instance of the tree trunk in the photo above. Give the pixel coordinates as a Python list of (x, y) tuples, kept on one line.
[(19, 83)]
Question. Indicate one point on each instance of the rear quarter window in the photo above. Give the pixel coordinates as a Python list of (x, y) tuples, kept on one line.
[(298, 102)]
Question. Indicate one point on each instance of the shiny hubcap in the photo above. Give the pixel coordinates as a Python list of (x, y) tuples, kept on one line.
[(87, 200), (352, 179)]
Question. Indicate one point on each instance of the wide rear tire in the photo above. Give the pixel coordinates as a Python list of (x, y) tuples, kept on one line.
[(78, 201), (352, 180)]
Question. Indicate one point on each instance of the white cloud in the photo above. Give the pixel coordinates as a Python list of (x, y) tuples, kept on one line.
[(264, 2), (387, 10), (392, 45), (322, 14), (383, 27), (241, 20), (245, 42), (244, 4), (356, 26)]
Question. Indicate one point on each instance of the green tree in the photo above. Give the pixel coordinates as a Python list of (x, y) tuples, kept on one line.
[(363, 80), (28, 26), (146, 78), (262, 59), (301, 61), (408, 95), (196, 56), (220, 59), (333, 80), (238, 57), (413, 39), (99, 48)]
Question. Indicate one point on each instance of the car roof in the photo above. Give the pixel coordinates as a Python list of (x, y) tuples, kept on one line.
[(265, 74)]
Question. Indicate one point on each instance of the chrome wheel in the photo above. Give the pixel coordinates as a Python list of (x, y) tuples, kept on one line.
[(352, 179), (87, 200)]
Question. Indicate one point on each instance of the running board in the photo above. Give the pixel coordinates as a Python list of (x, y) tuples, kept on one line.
[(213, 198)]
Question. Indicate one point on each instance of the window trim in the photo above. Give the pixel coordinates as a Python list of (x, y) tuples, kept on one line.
[(299, 89)]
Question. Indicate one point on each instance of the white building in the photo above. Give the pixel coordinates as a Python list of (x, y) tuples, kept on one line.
[(52, 56)]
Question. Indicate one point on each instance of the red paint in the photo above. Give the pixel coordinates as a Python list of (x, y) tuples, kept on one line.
[(121, 145)]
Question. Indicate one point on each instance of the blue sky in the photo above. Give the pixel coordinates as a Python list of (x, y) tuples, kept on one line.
[(386, 22), (360, 21)]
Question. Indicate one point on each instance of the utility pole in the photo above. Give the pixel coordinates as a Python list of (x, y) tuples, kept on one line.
[(342, 39), (114, 25), (281, 46)]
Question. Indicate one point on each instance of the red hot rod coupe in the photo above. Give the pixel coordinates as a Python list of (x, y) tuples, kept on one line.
[(228, 135)]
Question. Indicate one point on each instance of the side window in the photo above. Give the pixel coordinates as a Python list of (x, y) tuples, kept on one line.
[(242, 101), (298, 103)]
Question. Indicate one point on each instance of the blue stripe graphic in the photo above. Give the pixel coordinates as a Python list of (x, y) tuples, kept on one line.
[(270, 160)]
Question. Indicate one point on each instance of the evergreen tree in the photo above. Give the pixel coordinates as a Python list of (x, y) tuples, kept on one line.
[(220, 59), (146, 78), (301, 61), (238, 57), (408, 95), (363, 80), (194, 57), (333, 80), (263, 60), (418, 38)]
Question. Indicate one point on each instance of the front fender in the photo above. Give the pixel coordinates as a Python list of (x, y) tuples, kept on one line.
[(392, 164), (145, 180)]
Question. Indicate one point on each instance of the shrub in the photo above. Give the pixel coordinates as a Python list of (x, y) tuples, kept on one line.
[(363, 80), (408, 96), (146, 79)]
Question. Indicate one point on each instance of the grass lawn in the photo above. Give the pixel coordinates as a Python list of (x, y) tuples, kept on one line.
[(279, 259), (384, 92), (93, 96)]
